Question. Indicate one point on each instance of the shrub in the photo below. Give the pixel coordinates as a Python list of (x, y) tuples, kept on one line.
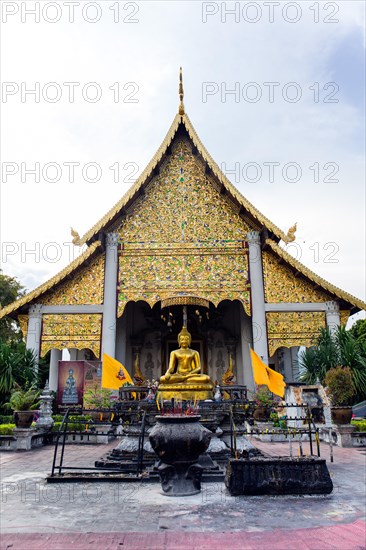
[(263, 397), (97, 398), (7, 429), (6, 419), (24, 400), (331, 350), (340, 386), (76, 423), (360, 425)]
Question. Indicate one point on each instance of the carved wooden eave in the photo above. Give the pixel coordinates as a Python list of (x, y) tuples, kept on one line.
[(182, 123), (347, 301), (55, 280)]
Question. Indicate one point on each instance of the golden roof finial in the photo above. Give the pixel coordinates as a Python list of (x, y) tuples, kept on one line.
[(76, 241), (290, 236), (181, 93)]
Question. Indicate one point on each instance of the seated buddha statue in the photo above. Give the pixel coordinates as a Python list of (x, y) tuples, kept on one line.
[(184, 372)]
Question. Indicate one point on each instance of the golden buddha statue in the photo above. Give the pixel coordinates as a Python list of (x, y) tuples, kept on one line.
[(184, 376)]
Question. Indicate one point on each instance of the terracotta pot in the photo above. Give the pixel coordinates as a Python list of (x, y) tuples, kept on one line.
[(341, 415), (262, 414), (23, 419)]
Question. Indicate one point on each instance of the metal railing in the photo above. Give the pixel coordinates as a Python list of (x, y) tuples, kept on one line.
[(58, 467)]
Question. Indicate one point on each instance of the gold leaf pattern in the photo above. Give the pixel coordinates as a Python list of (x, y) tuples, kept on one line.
[(183, 238), (293, 328), (71, 331), (86, 286), (344, 314), (23, 323), (281, 285)]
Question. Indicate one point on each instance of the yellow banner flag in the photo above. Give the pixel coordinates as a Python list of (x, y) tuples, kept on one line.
[(265, 375), (114, 374), (276, 382)]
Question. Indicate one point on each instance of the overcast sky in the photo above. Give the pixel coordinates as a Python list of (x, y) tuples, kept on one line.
[(291, 133)]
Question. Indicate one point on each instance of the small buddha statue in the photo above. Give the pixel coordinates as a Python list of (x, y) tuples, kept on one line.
[(184, 372)]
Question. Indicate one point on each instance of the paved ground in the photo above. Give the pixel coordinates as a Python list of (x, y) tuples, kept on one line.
[(97, 515)]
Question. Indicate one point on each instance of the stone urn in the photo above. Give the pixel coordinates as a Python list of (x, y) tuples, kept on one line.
[(23, 419), (262, 413), (341, 415), (179, 441)]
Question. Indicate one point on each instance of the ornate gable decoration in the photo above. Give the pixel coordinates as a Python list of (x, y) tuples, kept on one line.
[(78, 331), (86, 287), (182, 237), (281, 284), (293, 328)]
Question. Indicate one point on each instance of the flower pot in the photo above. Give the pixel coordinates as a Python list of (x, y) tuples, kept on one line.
[(341, 415), (100, 416), (262, 414), (23, 419)]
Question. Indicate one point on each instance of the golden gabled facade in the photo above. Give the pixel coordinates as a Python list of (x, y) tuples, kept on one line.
[(182, 235), (183, 238)]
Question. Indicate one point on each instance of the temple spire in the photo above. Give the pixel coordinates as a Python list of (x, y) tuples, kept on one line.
[(181, 93)]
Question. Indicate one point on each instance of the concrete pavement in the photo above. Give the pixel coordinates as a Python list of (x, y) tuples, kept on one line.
[(109, 515)]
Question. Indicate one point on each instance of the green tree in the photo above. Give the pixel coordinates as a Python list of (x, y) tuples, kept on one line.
[(10, 290), (340, 349), (358, 330), (17, 367)]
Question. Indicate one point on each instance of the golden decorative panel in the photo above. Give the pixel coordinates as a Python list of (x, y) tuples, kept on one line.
[(281, 285), (185, 301), (85, 287), (71, 331), (182, 205), (183, 238), (344, 314), (23, 323), (293, 328)]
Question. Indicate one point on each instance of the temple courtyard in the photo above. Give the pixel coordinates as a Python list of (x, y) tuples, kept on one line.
[(111, 515)]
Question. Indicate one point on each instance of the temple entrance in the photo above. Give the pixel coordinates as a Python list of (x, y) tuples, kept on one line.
[(146, 336)]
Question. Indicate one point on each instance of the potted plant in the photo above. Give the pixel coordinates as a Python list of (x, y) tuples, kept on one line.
[(98, 398), (264, 401), (23, 402), (340, 389)]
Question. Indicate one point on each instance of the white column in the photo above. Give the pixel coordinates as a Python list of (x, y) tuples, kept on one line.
[(332, 316), (56, 355), (73, 354), (246, 340), (295, 363), (110, 295), (257, 294), (34, 331)]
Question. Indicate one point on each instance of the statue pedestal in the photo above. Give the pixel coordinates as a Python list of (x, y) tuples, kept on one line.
[(24, 438)]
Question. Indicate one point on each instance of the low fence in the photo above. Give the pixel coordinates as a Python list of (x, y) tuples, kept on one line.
[(235, 415)]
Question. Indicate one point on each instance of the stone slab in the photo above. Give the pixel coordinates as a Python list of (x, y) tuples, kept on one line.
[(278, 476)]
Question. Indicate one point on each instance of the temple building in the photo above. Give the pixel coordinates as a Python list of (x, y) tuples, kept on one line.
[(182, 235)]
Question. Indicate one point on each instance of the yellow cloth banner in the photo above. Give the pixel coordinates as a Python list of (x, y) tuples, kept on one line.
[(114, 374), (265, 375)]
